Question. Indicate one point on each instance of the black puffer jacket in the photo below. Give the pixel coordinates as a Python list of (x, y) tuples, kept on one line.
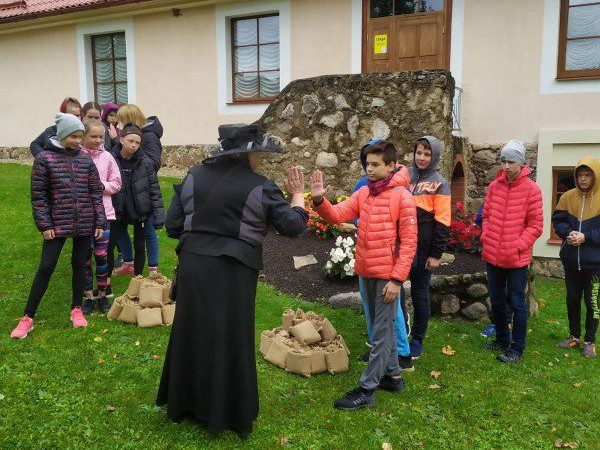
[(151, 145), (66, 192), (38, 145), (141, 186)]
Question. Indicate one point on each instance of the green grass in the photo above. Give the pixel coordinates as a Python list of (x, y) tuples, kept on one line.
[(57, 385)]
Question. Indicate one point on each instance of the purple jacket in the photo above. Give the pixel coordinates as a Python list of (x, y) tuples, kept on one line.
[(66, 192)]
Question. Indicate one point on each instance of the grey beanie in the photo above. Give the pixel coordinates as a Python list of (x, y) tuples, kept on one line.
[(513, 151), (67, 124)]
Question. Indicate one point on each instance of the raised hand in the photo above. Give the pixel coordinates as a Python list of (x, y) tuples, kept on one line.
[(112, 131), (294, 183), (317, 189)]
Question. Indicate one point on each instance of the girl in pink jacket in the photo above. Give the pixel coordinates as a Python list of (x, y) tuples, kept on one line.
[(110, 176)]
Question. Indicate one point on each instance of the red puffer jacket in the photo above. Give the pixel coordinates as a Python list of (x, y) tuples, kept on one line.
[(387, 235), (512, 220)]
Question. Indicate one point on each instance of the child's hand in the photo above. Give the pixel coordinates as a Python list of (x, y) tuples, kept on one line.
[(98, 233), (432, 263), (317, 189), (48, 234), (391, 291), (112, 131)]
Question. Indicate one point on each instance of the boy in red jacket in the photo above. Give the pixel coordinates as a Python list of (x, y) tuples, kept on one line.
[(512, 222), (386, 245)]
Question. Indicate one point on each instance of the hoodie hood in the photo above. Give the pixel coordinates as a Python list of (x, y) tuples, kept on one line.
[(594, 165), (107, 110), (401, 177), (53, 145), (153, 125), (92, 152), (435, 154)]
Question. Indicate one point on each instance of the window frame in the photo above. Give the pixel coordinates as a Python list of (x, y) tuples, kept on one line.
[(114, 70), (554, 238), (562, 73), (256, 17)]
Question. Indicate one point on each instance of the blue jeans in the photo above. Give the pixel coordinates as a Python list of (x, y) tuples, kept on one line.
[(151, 244), (509, 285), (400, 328)]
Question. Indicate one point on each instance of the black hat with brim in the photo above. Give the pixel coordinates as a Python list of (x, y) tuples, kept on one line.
[(242, 138)]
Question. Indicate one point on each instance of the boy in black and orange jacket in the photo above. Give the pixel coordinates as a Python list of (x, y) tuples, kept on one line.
[(432, 197)]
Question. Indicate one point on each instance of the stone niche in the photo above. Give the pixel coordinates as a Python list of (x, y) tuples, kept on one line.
[(324, 121)]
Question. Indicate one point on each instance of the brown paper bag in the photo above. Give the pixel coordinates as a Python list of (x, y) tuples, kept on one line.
[(266, 338), (129, 312), (297, 321), (287, 319), (158, 278), (149, 317), (150, 294), (116, 307), (318, 363), (342, 342), (299, 363), (327, 330), (277, 353), (337, 361), (165, 292), (134, 286), (168, 314), (305, 333)]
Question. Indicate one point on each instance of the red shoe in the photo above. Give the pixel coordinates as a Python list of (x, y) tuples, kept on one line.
[(78, 318), (152, 269), (24, 327), (125, 269)]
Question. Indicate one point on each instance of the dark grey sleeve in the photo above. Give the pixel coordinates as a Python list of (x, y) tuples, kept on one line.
[(176, 216), (37, 145), (285, 219)]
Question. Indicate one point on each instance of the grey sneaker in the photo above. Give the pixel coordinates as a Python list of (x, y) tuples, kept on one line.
[(357, 398), (509, 357), (589, 350), (569, 342)]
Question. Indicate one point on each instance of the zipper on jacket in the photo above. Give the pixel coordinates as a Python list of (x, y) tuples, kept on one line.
[(74, 195)]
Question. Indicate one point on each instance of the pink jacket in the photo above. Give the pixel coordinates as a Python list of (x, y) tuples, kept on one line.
[(110, 175), (512, 220)]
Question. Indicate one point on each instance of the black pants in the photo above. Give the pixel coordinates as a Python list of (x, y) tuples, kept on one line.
[(51, 250), (118, 229), (419, 291), (583, 283)]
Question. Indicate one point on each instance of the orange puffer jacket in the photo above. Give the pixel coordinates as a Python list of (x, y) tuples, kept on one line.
[(512, 220), (387, 234)]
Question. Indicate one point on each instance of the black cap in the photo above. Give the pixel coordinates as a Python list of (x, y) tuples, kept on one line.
[(242, 138)]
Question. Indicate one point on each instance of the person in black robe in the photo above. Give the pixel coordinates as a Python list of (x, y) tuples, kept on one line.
[(221, 213)]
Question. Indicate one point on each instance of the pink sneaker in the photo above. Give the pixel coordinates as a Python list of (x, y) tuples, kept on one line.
[(153, 269), (78, 318), (125, 269), (24, 327)]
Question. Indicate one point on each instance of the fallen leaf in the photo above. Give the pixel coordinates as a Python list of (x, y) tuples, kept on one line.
[(101, 360), (1, 397), (110, 408), (558, 443), (536, 352), (386, 446), (283, 440), (137, 343), (530, 331), (551, 364), (98, 339), (435, 374), (105, 331), (434, 386), (566, 355), (573, 362), (155, 357), (553, 430), (577, 385), (447, 350)]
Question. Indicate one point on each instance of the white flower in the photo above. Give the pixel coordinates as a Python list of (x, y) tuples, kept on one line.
[(350, 272), (329, 265), (332, 252), (348, 242), (346, 268), (339, 241), (350, 253)]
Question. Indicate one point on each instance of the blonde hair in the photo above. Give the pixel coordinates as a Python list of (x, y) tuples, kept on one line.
[(88, 124), (131, 114)]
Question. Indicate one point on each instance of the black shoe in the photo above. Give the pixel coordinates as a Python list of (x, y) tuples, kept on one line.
[(108, 293), (365, 356), (496, 346), (88, 306), (103, 305), (391, 384), (357, 398), (406, 363), (509, 357)]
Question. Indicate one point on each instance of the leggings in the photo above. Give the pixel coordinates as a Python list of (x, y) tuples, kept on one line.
[(117, 230), (51, 250), (99, 249)]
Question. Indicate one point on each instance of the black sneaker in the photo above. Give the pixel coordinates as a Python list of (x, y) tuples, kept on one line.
[(88, 306), (365, 356), (391, 384), (357, 398), (496, 346), (103, 305), (109, 293), (509, 357), (406, 363)]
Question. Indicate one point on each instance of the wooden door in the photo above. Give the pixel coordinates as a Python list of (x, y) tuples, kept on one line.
[(406, 35)]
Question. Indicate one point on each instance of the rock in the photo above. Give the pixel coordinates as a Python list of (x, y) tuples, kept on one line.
[(332, 120), (449, 304), (310, 104), (488, 305), (352, 125), (377, 102), (476, 147), (452, 280), (306, 154), (350, 300), (380, 129), (475, 311), (485, 158), (347, 227), (288, 112), (556, 268), (299, 142), (447, 258), (466, 278), (437, 282), (340, 102), (477, 290), (303, 261), (325, 159), (539, 269)]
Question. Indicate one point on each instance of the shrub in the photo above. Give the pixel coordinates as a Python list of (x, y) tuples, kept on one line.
[(464, 234)]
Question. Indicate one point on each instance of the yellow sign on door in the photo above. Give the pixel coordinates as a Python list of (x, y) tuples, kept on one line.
[(380, 44)]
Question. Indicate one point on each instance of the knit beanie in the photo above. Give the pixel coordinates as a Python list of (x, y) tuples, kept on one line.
[(513, 151), (67, 124)]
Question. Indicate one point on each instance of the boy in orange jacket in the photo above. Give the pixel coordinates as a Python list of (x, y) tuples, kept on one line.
[(386, 245)]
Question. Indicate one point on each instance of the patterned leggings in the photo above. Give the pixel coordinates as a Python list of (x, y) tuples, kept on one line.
[(99, 249)]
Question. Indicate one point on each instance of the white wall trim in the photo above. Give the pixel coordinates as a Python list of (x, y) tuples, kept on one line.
[(456, 40), (356, 37), (223, 15), (84, 55), (550, 35)]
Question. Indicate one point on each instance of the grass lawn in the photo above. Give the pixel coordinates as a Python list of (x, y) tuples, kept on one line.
[(95, 388)]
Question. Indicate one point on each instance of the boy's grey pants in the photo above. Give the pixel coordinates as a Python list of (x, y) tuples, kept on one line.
[(383, 359)]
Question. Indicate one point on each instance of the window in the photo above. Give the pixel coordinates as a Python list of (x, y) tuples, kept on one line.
[(562, 181), (255, 58), (109, 62), (579, 40), (384, 8)]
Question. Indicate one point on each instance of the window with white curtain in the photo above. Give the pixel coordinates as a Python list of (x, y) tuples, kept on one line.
[(579, 46), (109, 60), (255, 58)]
